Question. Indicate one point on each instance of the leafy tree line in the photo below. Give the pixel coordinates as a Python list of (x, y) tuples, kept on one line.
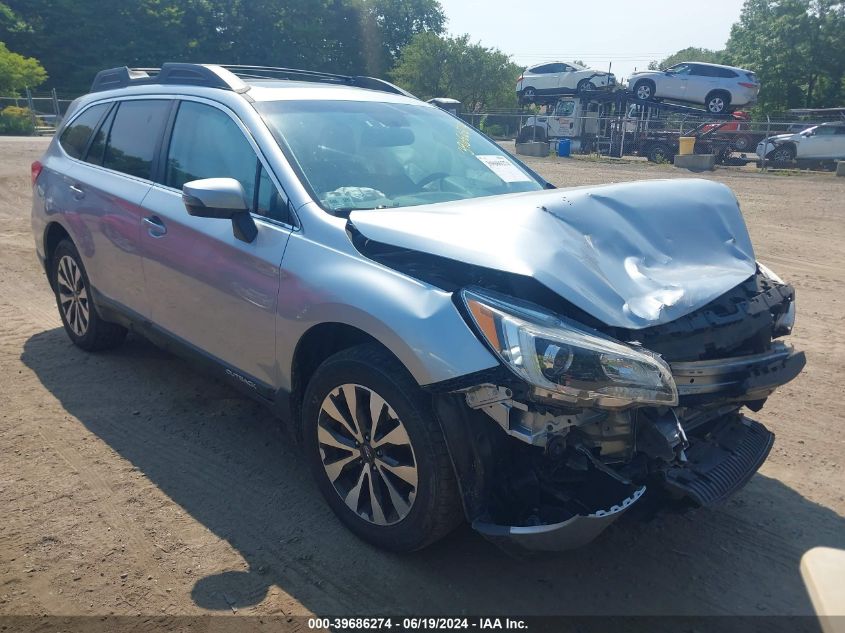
[(796, 48), (433, 65), (74, 39)]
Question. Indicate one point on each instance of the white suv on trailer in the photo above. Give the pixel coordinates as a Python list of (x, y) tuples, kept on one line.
[(720, 88)]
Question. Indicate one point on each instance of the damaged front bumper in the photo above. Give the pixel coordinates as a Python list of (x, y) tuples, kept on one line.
[(714, 467), (577, 530), (588, 467), (748, 378)]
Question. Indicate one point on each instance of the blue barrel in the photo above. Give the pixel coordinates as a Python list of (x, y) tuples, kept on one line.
[(564, 147)]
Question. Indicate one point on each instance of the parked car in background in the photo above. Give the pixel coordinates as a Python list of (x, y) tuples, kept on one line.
[(825, 142), (560, 78), (720, 88)]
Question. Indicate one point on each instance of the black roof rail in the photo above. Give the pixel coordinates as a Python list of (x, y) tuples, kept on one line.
[(208, 75), (278, 73), (227, 77)]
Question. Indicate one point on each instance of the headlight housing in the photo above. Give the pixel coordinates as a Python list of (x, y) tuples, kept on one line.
[(568, 361)]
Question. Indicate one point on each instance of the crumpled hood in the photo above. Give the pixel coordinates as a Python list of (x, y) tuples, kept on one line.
[(633, 255)]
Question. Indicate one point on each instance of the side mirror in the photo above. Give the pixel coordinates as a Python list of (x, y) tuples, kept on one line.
[(223, 199)]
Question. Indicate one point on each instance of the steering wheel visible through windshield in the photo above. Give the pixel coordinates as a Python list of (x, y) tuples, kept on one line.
[(365, 154)]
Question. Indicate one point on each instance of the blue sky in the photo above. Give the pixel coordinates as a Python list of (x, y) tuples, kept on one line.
[(628, 32)]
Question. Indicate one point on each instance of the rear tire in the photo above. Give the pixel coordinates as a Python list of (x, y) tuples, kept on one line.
[(528, 95), (531, 133), (384, 468), (83, 325), (660, 153), (718, 102)]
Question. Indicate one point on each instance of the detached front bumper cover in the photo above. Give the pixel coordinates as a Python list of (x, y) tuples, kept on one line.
[(570, 534), (717, 465)]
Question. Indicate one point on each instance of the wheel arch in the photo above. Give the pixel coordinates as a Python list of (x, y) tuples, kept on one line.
[(720, 91), (316, 345), (646, 80), (54, 233)]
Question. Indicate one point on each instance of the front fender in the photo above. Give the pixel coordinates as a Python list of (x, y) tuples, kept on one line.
[(417, 322)]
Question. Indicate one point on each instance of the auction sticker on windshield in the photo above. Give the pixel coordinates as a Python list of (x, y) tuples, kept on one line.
[(503, 168)]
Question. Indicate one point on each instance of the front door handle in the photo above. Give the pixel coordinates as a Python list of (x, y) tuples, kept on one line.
[(155, 227)]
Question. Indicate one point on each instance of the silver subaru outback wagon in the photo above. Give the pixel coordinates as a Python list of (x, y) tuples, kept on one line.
[(451, 337)]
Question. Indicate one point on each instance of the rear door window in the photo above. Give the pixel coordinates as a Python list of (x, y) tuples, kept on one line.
[(134, 136), (74, 139)]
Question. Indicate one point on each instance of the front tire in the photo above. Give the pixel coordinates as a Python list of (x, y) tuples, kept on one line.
[(585, 85), (660, 153), (644, 90), (83, 325), (741, 143), (377, 452), (782, 154)]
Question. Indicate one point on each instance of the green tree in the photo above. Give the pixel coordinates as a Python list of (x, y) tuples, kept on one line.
[(689, 54), (797, 49), (18, 72), (76, 38), (437, 66), (388, 26)]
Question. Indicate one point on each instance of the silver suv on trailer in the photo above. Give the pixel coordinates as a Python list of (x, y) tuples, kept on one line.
[(451, 337)]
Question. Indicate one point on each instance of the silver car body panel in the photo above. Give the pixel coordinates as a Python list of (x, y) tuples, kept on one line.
[(325, 280), (632, 255)]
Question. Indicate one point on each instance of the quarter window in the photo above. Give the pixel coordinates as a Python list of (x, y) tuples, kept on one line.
[(134, 135), (98, 144), (74, 139)]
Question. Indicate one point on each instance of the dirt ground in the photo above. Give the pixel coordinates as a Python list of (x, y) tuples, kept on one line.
[(132, 484)]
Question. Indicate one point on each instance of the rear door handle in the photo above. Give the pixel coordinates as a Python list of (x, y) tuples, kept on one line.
[(155, 227), (78, 192)]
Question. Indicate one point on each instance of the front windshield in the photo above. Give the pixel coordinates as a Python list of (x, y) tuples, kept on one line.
[(365, 155), (678, 69)]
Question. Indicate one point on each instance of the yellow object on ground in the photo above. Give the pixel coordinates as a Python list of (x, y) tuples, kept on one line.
[(687, 145), (823, 570)]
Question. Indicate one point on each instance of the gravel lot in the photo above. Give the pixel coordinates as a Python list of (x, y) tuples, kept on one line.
[(130, 483)]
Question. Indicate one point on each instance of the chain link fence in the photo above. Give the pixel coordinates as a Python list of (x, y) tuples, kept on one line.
[(641, 131), (32, 113)]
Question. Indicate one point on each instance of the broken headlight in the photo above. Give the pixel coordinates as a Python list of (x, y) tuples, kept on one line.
[(569, 361)]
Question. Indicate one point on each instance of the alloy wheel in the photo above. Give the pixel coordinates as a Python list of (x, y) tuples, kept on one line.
[(643, 91), (716, 105), (367, 454), (782, 155), (73, 296)]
